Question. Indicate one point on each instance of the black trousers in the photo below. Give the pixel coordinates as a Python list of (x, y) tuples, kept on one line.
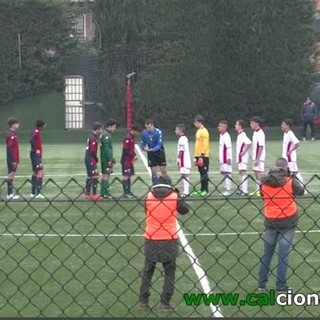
[(305, 126), (169, 278)]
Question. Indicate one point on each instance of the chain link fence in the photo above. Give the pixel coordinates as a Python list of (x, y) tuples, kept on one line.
[(66, 255)]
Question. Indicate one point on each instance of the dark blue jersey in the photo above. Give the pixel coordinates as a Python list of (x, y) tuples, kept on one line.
[(152, 139)]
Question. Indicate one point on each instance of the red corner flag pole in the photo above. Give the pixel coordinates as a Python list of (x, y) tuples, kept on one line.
[(129, 100)]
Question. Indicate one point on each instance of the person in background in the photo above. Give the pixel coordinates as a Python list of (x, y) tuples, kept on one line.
[(91, 160), (242, 145), (106, 157), (36, 160), (308, 115), (161, 239), (183, 158), (128, 157), (13, 157), (152, 143), (201, 155), (280, 212)]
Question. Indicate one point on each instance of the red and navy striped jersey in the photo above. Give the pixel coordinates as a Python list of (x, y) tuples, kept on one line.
[(128, 152), (36, 142), (12, 142), (92, 149)]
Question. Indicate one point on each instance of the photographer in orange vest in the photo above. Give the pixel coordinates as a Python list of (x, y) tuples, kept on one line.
[(278, 190), (161, 239)]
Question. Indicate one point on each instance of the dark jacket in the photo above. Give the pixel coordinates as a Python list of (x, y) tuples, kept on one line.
[(308, 112), (277, 177), (164, 250)]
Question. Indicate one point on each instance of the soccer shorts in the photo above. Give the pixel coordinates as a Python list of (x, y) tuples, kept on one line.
[(106, 168), (224, 167), (36, 162), (242, 166), (184, 170), (260, 167), (11, 167), (205, 168), (127, 170), (293, 167), (157, 158), (91, 169)]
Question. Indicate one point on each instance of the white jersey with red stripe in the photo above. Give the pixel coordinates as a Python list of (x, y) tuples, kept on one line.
[(289, 141), (225, 148), (258, 142), (184, 158), (242, 141)]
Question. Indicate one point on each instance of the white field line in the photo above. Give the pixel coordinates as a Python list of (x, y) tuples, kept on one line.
[(137, 235), (201, 274)]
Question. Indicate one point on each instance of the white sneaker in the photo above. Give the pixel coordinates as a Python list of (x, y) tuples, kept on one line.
[(39, 196), (312, 139), (225, 193), (32, 195), (13, 196), (303, 139)]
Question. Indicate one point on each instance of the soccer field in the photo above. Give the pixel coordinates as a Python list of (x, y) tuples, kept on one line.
[(68, 256)]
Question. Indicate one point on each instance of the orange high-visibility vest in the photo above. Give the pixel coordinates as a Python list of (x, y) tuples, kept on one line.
[(279, 202), (161, 217)]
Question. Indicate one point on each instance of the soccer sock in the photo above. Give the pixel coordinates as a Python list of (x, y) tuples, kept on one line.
[(299, 177), (204, 182), (244, 184), (126, 186), (227, 182), (10, 186), (38, 185), (186, 184), (104, 188), (88, 186), (94, 185), (33, 184), (154, 179), (129, 185)]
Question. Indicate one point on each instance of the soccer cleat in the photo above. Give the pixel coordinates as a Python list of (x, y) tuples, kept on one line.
[(166, 307), (12, 196), (225, 193), (105, 196), (183, 195), (143, 306), (128, 196), (197, 193), (39, 196), (255, 193), (32, 195), (204, 194), (312, 139), (95, 197), (304, 139), (260, 289)]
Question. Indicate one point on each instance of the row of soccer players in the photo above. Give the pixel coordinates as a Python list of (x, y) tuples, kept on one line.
[(243, 144), (152, 144), (13, 158)]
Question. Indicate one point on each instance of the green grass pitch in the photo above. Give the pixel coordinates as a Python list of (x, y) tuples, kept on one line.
[(67, 256)]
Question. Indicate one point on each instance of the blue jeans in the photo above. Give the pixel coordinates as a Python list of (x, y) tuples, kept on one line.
[(284, 238)]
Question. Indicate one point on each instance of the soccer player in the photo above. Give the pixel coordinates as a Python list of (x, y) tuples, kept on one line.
[(242, 146), (184, 159), (289, 147), (225, 156), (91, 160), (258, 151), (106, 156), (36, 160), (12, 142), (152, 143), (127, 159), (201, 154)]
